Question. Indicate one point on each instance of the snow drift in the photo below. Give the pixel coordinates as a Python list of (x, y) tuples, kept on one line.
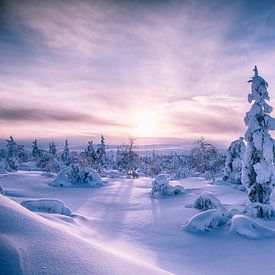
[(206, 221), (31, 244), (47, 205), (249, 228)]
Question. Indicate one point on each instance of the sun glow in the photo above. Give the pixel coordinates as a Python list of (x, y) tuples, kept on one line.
[(146, 124)]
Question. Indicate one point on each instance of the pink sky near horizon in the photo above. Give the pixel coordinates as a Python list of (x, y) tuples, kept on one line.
[(165, 70)]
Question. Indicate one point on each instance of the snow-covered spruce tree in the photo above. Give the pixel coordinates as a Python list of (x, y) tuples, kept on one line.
[(52, 148), (258, 164), (65, 156), (101, 153), (23, 155), (90, 154), (233, 163), (12, 153), (35, 149)]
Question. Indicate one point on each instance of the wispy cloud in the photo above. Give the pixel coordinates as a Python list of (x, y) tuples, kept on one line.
[(32, 114)]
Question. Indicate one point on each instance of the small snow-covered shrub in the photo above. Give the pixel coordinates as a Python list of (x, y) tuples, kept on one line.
[(233, 163), (206, 221), (75, 176), (259, 210), (162, 188), (206, 201), (47, 205)]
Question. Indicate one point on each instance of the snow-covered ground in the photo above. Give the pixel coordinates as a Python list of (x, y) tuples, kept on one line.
[(119, 229)]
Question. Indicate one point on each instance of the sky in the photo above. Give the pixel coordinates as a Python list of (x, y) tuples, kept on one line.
[(162, 71)]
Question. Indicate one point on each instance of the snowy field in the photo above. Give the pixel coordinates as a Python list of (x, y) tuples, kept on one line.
[(119, 229)]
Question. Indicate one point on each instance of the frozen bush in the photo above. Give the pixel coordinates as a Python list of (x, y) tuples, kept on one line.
[(162, 188), (233, 163), (206, 201), (75, 176), (206, 159)]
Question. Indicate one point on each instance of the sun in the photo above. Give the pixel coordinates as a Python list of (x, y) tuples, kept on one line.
[(146, 124)]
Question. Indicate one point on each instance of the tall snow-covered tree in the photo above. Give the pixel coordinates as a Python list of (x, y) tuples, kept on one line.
[(101, 153), (233, 163), (52, 148), (258, 164), (12, 153), (65, 156), (35, 149), (11, 147), (90, 151)]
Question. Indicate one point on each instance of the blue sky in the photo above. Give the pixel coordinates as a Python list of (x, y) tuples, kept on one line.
[(158, 69)]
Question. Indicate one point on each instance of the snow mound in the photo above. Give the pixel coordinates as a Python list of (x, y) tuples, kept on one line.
[(47, 205), (162, 188), (206, 201), (31, 244), (74, 176), (206, 221), (249, 228)]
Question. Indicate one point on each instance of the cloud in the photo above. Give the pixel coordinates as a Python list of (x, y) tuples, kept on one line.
[(40, 115), (118, 58)]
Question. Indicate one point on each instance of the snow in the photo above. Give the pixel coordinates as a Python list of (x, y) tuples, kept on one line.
[(206, 201), (47, 205), (4, 166), (31, 244), (73, 176), (249, 228), (119, 229), (162, 188), (112, 173), (206, 221), (258, 165)]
